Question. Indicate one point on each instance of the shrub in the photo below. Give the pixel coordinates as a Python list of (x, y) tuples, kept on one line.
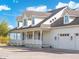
[(4, 39)]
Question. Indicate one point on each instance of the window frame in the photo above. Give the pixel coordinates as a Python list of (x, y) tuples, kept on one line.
[(29, 35), (19, 23), (66, 21), (25, 22)]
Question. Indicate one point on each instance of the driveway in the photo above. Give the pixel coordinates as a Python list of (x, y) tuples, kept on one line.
[(35, 53)]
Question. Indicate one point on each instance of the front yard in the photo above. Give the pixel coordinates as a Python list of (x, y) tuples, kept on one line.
[(35, 53)]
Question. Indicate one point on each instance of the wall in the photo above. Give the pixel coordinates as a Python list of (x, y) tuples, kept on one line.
[(29, 22), (38, 20), (46, 39)]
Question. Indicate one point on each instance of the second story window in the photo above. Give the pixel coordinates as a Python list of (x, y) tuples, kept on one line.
[(66, 19), (25, 22), (20, 23), (33, 21)]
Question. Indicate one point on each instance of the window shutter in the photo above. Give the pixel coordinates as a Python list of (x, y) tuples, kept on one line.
[(33, 22)]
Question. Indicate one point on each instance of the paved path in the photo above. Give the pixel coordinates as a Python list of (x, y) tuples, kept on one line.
[(33, 53)]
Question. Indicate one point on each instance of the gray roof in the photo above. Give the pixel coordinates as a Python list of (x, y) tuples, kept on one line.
[(60, 22), (53, 12)]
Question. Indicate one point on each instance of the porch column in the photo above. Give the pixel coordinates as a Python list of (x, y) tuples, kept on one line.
[(33, 35), (25, 39), (32, 43), (41, 38), (16, 38), (25, 36)]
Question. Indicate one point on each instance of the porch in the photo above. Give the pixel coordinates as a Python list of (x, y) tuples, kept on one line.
[(32, 37)]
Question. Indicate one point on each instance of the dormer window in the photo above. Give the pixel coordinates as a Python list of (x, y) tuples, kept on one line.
[(66, 19), (25, 22), (20, 23)]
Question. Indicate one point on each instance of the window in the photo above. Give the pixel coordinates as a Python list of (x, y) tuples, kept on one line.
[(25, 22), (64, 34), (77, 34), (52, 19), (29, 35), (61, 35), (20, 23), (18, 36), (33, 21), (29, 18), (67, 34), (66, 19), (12, 36), (55, 18), (55, 38)]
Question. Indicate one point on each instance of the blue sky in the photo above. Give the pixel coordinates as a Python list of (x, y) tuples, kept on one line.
[(9, 9)]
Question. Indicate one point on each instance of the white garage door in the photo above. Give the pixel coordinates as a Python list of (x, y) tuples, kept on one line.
[(76, 37), (66, 41)]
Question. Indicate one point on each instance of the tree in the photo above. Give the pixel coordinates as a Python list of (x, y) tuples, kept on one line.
[(4, 32), (4, 28)]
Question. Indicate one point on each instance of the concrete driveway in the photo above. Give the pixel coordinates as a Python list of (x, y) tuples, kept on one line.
[(35, 53)]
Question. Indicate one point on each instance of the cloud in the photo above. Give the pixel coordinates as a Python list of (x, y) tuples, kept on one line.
[(38, 8), (10, 26), (4, 7), (60, 4), (71, 4)]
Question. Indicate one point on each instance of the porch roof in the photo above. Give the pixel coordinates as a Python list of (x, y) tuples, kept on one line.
[(30, 29)]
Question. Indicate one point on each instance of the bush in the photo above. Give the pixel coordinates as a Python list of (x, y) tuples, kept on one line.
[(4, 39)]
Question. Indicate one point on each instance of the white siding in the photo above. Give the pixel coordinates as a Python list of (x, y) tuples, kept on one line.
[(71, 19), (38, 20), (46, 39), (29, 22), (20, 24)]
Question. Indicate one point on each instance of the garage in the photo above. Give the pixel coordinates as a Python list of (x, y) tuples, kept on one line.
[(66, 41), (76, 37)]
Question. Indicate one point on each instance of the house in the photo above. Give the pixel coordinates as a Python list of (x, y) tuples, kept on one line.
[(58, 28)]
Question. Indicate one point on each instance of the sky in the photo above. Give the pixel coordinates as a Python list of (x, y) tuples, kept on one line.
[(10, 9)]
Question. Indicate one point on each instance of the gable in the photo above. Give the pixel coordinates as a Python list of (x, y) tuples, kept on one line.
[(53, 13), (60, 21), (56, 14)]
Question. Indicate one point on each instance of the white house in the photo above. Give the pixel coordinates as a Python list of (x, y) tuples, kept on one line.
[(58, 28)]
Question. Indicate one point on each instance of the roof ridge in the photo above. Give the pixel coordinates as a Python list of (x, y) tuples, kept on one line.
[(57, 9)]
